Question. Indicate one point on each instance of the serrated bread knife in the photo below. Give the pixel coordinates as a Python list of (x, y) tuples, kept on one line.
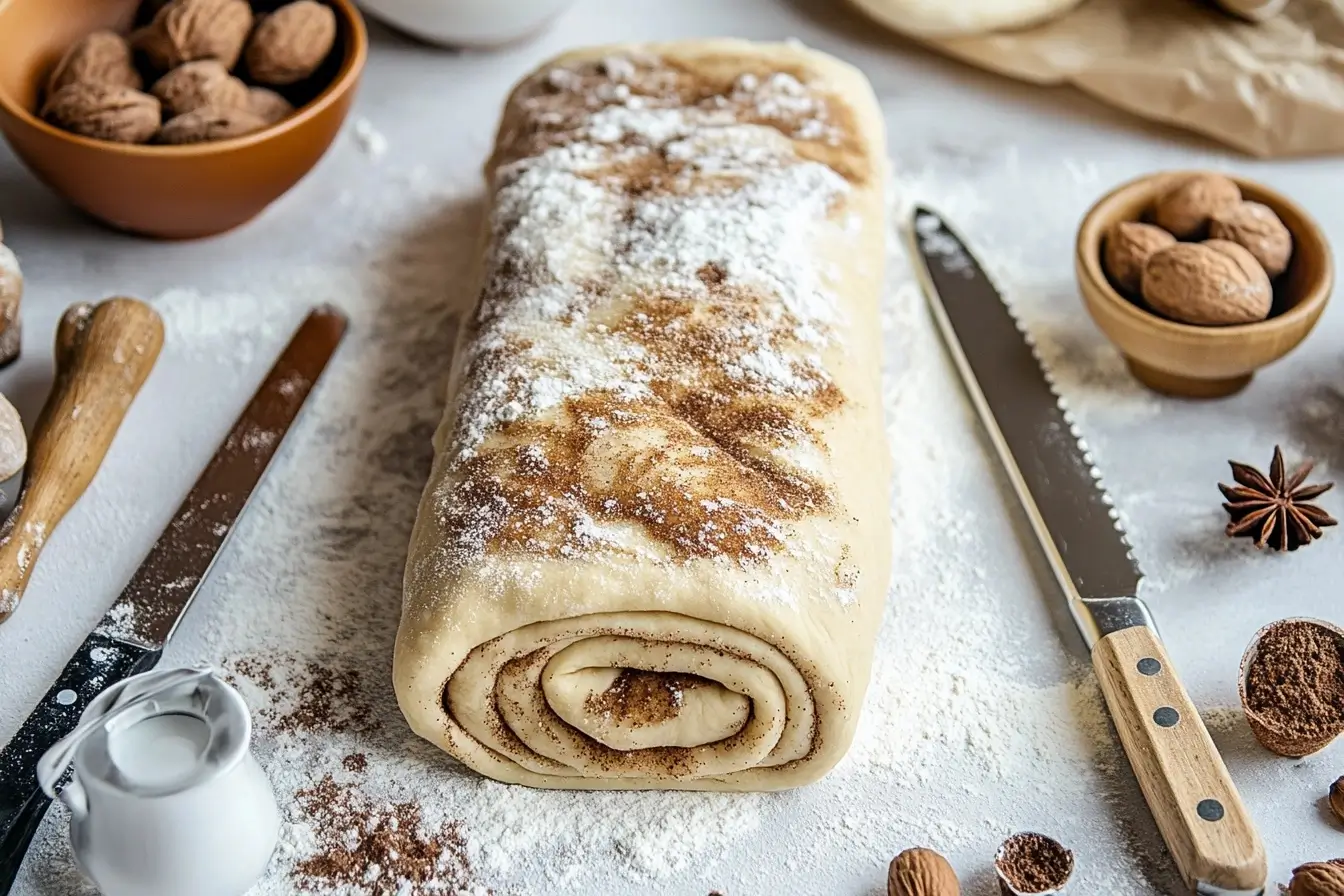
[(135, 630), (1187, 786)]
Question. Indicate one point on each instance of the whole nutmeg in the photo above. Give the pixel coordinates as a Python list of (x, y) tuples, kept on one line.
[(1127, 248), (207, 123), (103, 57), (289, 44), (268, 105), (205, 82), (1337, 798), (1184, 208), (921, 872), (103, 112), (1216, 283), (1255, 227), (187, 30), (1318, 879)]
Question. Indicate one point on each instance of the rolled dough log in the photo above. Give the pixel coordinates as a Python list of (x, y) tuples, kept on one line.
[(958, 18), (654, 545)]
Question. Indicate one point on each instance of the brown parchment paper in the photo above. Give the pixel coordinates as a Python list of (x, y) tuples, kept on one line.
[(1269, 89)]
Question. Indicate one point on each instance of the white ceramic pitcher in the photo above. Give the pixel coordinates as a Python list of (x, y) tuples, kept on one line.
[(165, 797)]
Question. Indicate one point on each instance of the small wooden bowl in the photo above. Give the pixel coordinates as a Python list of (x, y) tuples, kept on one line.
[(1271, 736), (1196, 361), (166, 192)]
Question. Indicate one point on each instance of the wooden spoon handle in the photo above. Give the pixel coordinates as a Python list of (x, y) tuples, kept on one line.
[(1197, 808), (104, 353)]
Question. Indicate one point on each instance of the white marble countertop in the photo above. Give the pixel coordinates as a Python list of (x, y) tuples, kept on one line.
[(388, 230)]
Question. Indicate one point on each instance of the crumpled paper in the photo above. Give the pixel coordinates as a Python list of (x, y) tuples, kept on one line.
[(1270, 89)]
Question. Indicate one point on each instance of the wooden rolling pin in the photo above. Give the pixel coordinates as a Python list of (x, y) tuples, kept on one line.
[(104, 353)]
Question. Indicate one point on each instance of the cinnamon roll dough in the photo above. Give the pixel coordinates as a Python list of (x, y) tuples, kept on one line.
[(654, 546)]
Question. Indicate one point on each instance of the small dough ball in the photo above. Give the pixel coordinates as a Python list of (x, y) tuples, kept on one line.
[(1217, 283), (1255, 227), (1127, 248), (956, 18), (192, 85), (1184, 208)]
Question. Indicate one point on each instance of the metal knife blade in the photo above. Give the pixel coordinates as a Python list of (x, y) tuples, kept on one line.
[(1045, 457), (132, 635), (159, 593)]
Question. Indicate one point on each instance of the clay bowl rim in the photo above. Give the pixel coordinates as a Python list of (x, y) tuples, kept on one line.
[(1103, 214), (352, 66), (1248, 656)]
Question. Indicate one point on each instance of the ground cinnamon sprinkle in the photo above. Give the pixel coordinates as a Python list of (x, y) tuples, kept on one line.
[(379, 849), (641, 697), (1296, 680), (306, 695), (328, 700), (355, 762)]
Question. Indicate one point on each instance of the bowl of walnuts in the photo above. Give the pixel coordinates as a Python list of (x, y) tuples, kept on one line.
[(176, 119), (1200, 279)]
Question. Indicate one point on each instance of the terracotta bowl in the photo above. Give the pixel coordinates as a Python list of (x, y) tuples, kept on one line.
[(1197, 361), (168, 192)]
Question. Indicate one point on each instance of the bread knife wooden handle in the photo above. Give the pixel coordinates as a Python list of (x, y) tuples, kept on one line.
[(104, 354), (1183, 778)]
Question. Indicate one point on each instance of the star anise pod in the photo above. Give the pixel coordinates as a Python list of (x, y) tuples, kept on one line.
[(1274, 509)]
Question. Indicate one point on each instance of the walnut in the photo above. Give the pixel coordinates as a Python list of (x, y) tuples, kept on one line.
[(1318, 879), (1337, 798), (921, 872), (208, 123), (187, 30), (11, 293), (205, 82), (1216, 283), (1127, 248), (290, 43), (102, 57), (103, 112), (1184, 208), (268, 105), (1255, 227)]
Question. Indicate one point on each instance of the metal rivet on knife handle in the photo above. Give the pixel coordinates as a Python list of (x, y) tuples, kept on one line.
[(104, 353)]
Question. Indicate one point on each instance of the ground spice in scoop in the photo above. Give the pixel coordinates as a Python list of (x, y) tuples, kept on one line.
[(1033, 863), (1295, 683)]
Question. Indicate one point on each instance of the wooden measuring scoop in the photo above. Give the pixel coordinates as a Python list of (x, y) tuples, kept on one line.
[(104, 353)]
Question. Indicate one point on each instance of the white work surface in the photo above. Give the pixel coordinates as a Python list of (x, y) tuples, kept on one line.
[(983, 718)]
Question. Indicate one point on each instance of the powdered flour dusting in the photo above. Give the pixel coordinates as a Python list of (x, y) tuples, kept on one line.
[(973, 726)]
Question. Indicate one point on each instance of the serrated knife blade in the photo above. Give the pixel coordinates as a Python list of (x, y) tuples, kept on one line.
[(1047, 461), (1183, 778)]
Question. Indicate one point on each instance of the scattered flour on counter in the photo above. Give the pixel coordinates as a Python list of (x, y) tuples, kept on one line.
[(369, 139), (967, 732)]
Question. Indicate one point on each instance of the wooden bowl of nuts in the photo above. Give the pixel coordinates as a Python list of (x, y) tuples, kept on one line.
[(1200, 279), (176, 119)]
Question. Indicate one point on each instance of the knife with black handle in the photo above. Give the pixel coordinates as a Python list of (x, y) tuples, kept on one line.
[(1197, 808), (132, 635)]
